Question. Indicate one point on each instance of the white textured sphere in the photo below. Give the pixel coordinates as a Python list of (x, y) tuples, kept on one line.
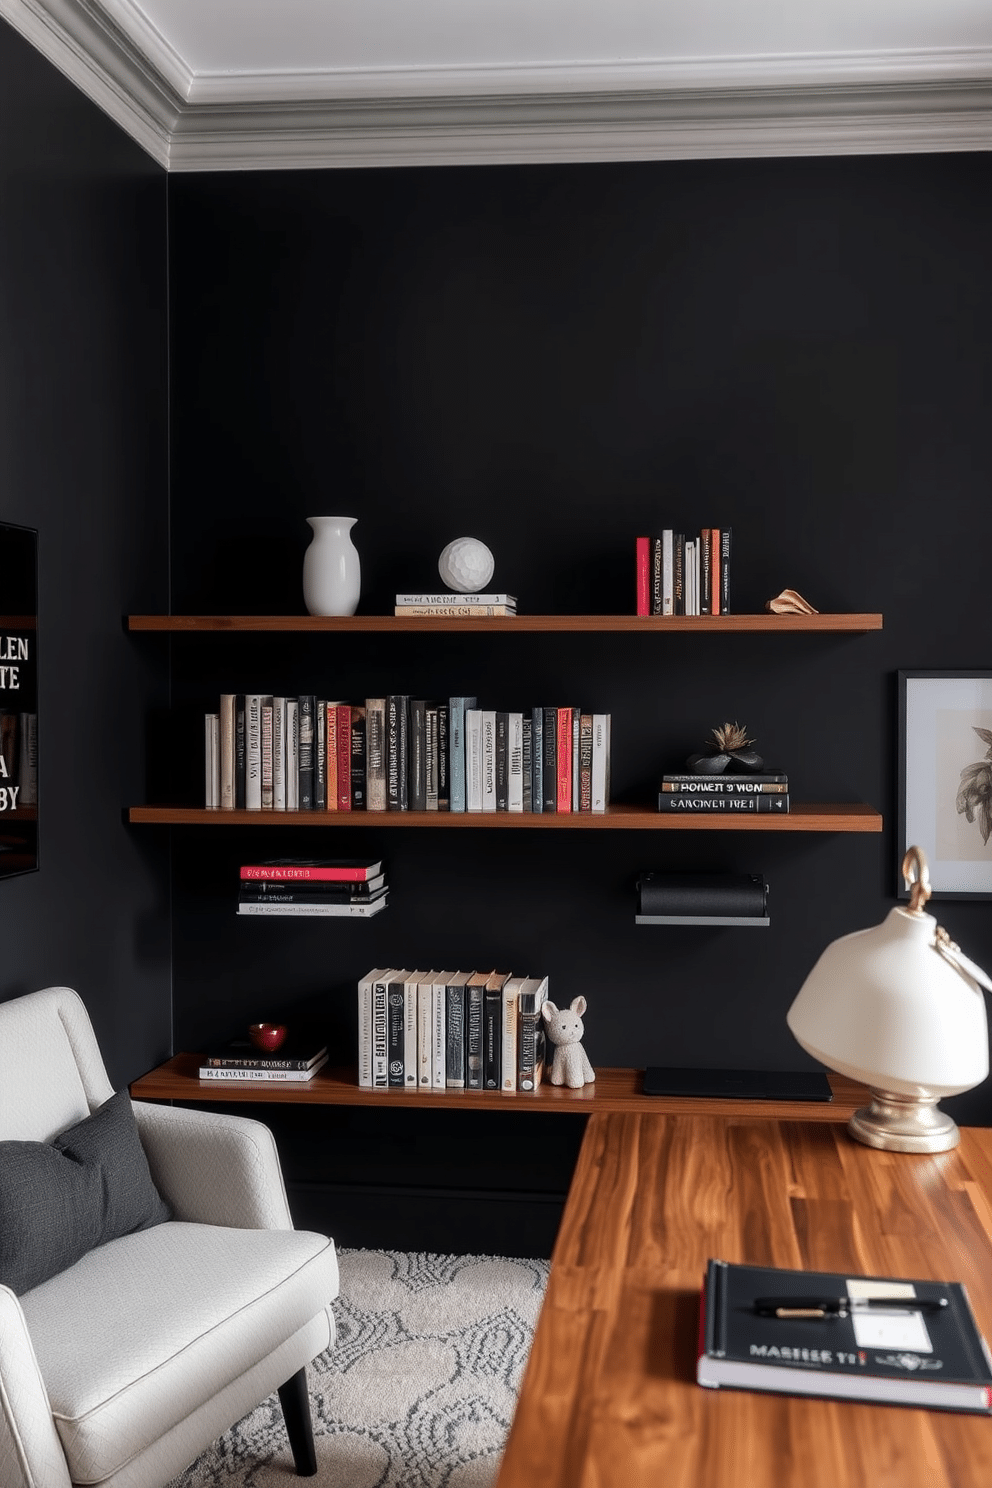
[(466, 565)]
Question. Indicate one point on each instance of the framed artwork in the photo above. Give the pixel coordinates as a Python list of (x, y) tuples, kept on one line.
[(18, 699), (945, 779)]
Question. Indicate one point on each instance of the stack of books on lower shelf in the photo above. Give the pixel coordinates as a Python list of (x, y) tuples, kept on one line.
[(450, 1030), (348, 888), (295, 1061), (698, 794), (456, 606)]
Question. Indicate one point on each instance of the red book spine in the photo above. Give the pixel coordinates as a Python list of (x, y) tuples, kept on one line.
[(301, 874), (643, 576), (564, 759), (715, 570), (344, 757)]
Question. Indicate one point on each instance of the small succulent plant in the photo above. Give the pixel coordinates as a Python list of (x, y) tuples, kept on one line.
[(726, 751), (974, 798)]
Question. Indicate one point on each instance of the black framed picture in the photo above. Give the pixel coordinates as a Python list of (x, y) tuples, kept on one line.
[(945, 779), (18, 699)]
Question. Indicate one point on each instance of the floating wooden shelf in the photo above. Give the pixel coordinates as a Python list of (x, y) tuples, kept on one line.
[(614, 1090), (644, 624), (832, 817)]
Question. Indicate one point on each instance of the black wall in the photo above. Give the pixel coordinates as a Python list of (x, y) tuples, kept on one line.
[(84, 460), (556, 359)]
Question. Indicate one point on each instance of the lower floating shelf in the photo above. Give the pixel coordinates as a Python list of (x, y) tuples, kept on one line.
[(755, 922), (832, 817), (614, 1090)]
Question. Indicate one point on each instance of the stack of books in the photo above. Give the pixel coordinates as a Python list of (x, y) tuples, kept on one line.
[(691, 794), (402, 753), (681, 575), (456, 605), (450, 1030), (297, 1060), (350, 888)]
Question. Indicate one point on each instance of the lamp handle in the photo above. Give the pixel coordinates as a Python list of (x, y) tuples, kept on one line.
[(918, 881), (916, 876)]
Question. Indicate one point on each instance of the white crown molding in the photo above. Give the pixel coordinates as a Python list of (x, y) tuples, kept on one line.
[(865, 103), (104, 64)]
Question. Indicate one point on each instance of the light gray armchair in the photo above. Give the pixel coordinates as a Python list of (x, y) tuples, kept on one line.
[(121, 1369)]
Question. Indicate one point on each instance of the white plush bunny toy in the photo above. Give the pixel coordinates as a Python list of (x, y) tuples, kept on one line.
[(565, 1028)]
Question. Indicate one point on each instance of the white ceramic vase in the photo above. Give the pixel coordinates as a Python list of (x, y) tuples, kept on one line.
[(332, 569)]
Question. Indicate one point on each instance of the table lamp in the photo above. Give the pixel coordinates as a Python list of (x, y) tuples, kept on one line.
[(898, 1007)]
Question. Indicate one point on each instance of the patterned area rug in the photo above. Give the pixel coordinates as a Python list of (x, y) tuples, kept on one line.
[(420, 1389)]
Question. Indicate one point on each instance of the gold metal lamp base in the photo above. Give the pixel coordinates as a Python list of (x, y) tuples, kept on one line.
[(904, 1123)]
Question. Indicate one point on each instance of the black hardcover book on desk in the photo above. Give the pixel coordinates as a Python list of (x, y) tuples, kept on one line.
[(724, 1084), (871, 1338)]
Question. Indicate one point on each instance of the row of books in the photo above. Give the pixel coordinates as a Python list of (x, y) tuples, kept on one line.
[(442, 1030), (18, 760), (399, 753), (349, 888), (458, 606), (690, 793), (682, 575)]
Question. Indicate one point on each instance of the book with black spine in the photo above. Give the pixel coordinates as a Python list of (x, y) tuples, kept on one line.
[(729, 785), (777, 805), (726, 542), (527, 762), (261, 892), (430, 755), (395, 1028), (550, 760), (537, 759), (443, 758), (678, 573), (475, 990), (397, 752), (320, 801), (492, 1031), (299, 1050), (454, 1031), (502, 759), (358, 757), (307, 703), (375, 754), (418, 754), (240, 751), (585, 762), (656, 576), (886, 1340), (705, 572)]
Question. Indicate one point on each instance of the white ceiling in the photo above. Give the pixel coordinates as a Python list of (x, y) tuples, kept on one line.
[(225, 84)]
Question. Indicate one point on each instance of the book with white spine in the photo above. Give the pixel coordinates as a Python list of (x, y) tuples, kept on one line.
[(425, 1029), (365, 1026), (279, 754), (600, 761), (515, 762), (508, 1052), (267, 796), (488, 759), (403, 600), (211, 760), (253, 751), (411, 1058), (473, 759), (438, 1040)]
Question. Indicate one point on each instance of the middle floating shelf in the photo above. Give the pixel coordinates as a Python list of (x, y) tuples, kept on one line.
[(832, 817)]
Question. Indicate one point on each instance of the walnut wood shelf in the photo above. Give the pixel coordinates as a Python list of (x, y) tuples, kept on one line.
[(188, 624), (614, 1090), (832, 817)]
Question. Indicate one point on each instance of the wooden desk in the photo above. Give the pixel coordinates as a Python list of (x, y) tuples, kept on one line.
[(609, 1398)]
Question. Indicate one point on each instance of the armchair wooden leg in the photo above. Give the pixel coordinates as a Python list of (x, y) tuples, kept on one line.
[(295, 1402)]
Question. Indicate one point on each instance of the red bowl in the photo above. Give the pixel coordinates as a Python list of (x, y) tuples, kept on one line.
[(267, 1036)]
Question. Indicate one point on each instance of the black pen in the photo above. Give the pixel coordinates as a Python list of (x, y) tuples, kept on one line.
[(819, 1307)]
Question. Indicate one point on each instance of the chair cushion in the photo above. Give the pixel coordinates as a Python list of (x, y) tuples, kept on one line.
[(62, 1198), (138, 1333)]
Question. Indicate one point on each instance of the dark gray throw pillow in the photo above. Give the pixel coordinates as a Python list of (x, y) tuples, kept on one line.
[(61, 1199)]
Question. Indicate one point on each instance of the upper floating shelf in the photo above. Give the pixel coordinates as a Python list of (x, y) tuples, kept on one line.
[(646, 624)]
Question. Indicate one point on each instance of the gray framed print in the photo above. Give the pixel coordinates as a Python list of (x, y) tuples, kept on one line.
[(945, 779), (18, 699)]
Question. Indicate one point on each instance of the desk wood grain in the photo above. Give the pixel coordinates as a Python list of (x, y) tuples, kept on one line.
[(609, 1398)]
